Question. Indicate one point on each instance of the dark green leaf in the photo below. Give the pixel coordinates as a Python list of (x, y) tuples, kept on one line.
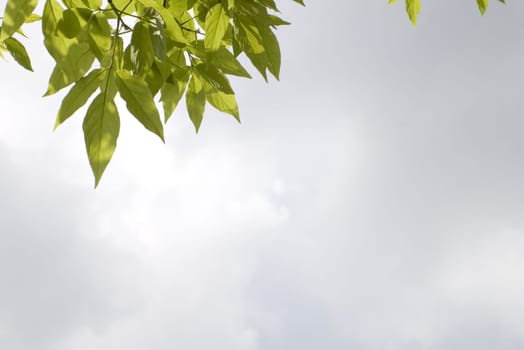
[(69, 25)]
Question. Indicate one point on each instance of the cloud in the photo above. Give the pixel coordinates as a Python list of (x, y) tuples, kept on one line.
[(370, 200)]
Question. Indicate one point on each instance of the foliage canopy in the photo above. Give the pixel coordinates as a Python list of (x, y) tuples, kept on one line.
[(146, 51)]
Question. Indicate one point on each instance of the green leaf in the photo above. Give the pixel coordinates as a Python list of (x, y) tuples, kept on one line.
[(141, 52), (226, 103), (214, 77), (275, 21), (251, 43), (230, 4), (483, 5), (301, 2), (71, 67), (154, 78), (173, 90), (227, 62), (270, 4), (69, 25), (15, 14), (73, 58), (173, 30), (33, 18), (413, 9), (139, 101), (101, 128), (91, 4), (57, 81), (196, 101), (78, 95), (17, 50), (216, 25), (158, 40), (272, 49), (99, 38)]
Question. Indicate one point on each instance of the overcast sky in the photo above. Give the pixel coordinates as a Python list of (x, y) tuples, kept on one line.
[(372, 199)]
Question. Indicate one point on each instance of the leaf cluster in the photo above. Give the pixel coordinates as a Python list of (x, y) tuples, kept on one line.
[(150, 54), (413, 8)]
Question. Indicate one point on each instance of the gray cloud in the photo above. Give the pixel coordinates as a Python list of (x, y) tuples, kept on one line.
[(370, 200)]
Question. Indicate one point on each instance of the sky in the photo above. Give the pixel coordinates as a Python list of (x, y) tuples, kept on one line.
[(372, 199)]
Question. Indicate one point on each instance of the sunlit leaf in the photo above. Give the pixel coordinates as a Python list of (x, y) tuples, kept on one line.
[(139, 101), (482, 5), (78, 95), (413, 9), (101, 129), (196, 101), (216, 25), (223, 102), (15, 14)]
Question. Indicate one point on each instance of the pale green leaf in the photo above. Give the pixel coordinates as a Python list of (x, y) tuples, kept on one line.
[(33, 18), (413, 9), (483, 5), (101, 128), (139, 101), (196, 101), (216, 25), (15, 14), (73, 58), (78, 95), (223, 102)]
